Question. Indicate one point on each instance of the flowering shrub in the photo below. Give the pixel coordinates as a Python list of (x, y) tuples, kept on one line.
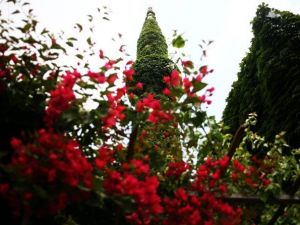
[(132, 154)]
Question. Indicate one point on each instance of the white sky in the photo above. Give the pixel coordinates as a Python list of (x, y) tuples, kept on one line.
[(227, 22)]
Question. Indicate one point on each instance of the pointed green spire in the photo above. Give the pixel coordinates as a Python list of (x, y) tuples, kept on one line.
[(151, 66), (152, 56), (151, 40)]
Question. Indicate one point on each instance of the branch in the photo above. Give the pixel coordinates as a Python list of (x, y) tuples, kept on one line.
[(132, 139), (236, 141)]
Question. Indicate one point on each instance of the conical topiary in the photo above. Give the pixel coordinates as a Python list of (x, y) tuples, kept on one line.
[(152, 56), (151, 66)]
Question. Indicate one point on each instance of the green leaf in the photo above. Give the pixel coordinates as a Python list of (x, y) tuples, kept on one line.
[(105, 18), (70, 43), (90, 18), (79, 56), (199, 118), (178, 42), (57, 46), (198, 86), (89, 41), (27, 27), (16, 12), (79, 27), (45, 31), (102, 108), (72, 39)]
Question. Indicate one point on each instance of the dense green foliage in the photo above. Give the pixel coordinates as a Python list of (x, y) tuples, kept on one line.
[(120, 162), (152, 56), (269, 80)]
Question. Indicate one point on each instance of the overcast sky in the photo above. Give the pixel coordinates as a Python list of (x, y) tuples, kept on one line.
[(227, 22)]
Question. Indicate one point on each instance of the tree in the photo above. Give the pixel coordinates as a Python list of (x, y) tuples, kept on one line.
[(151, 65), (268, 82), (152, 56)]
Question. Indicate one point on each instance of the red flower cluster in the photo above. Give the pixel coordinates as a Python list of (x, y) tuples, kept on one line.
[(190, 85), (56, 166), (201, 208), (115, 108), (129, 74), (204, 70), (156, 113), (109, 65), (202, 202), (61, 98), (174, 80), (252, 176), (105, 156), (137, 183), (175, 169), (98, 77)]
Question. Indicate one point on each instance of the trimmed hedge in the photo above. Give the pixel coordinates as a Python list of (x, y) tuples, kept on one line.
[(152, 57), (269, 80)]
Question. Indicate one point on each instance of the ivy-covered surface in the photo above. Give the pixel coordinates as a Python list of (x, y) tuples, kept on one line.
[(152, 56), (151, 66), (269, 80)]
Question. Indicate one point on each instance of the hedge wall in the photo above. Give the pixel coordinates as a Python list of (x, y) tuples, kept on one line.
[(269, 79)]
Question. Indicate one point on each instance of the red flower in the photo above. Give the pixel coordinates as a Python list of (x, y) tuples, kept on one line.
[(112, 78), (202, 172), (167, 92), (187, 83), (203, 70), (177, 168), (131, 95), (53, 41), (237, 165), (101, 54), (139, 106), (210, 89), (139, 85), (99, 77), (167, 80), (175, 78), (181, 194), (109, 64), (202, 98), (198, 78), (234, 177), (129, 74), (224, 162), (188, 64), (129, 62), (216, 175), (3, 48), (14, 58), (105, 156), (152, 118)]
